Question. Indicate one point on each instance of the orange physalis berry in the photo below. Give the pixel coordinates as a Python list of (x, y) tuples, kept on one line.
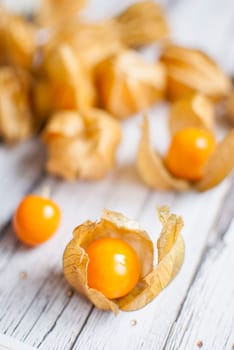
[(188, 152), (36, 219), (113, 268)]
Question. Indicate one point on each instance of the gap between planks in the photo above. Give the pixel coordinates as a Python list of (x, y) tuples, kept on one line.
[(208, 308), (215, 242)]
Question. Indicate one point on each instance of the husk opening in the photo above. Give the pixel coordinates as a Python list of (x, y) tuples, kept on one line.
[(153, 279), (151, 167), (155, 174)]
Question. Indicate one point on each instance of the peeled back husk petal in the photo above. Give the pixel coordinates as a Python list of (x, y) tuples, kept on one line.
[(190, 70), (151, 167), (75, 259), (195, 111), (170, 259), (219, 164)]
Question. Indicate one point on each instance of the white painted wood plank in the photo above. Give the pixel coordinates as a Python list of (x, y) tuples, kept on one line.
[(79, 202), (154, 321), (37, 309), (20, 168), (7, 343), (207, 313)]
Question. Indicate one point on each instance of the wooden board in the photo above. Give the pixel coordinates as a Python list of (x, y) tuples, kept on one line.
[(36, 306)]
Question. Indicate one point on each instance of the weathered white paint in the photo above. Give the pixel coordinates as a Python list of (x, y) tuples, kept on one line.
[(207, 314), (37, 309)]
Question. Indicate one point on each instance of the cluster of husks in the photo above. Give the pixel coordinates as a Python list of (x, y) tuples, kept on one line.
[(59, 70)]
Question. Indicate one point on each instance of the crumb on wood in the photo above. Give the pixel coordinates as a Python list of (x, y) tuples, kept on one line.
[(69, 293), (23, 275), (133, 322)]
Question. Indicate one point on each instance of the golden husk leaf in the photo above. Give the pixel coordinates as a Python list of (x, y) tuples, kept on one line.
[(127, 85), (18, 40), (219, 164), (154, 173), (92, 42), (81, 145), (190, 70), (53, 12), (152, 281), (195, 110), (141, 24), (230, 106), (70, 81), (15, 114), (151, 167)]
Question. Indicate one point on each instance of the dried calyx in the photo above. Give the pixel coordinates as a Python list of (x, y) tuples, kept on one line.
[(127, 84), (16, 121), (79, 143), (18, 40), (54, 12), (64, 83), (219, 164), (153, 279), (229, 110), (140, 24), (190, 70)]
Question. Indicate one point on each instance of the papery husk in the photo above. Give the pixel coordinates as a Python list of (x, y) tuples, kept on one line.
[(152, 279), (16, 122), (154, 173), (151, 167), (43, 99), (195, 111), (3, 56), (127, 85), (141, 24), (230, 107), (219, 164), (17, 40), (53, 12), (70, 81), (92, 42), (190, 70), (81, 145), (171, 251)]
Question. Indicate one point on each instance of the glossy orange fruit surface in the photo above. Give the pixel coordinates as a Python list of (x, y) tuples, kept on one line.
[(188, 152), (114, 267), (36, 219)]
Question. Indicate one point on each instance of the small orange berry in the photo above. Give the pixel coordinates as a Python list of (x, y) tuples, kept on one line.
[(36, 219), (188, 152), (114, 267)]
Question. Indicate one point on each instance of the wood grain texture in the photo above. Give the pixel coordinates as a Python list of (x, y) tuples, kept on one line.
[(207, 314), (20, 169), (35, 307)]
